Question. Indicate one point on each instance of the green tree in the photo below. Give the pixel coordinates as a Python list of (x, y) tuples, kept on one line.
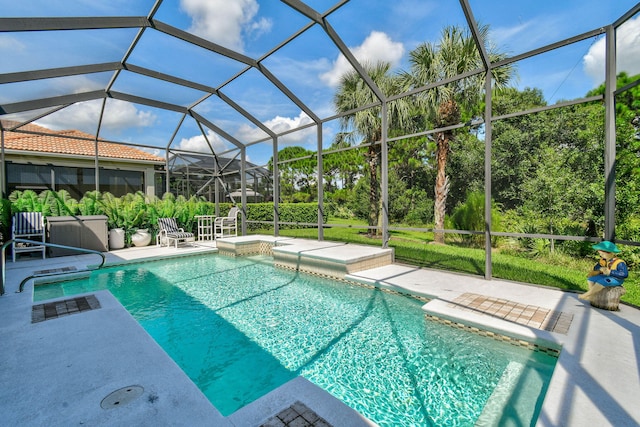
[(516, 143), (365, 126), (342, 167), (295, 175), (627, 155), (455, 53), (466, 168), (410, 172), (548, 166)]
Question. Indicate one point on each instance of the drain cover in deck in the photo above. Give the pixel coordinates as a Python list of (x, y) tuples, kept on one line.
[(122, 396)]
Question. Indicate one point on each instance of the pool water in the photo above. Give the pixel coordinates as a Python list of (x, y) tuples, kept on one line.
[(241, 328)]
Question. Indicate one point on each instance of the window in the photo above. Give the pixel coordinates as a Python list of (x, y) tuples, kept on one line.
[(77, 181), (120, 182)]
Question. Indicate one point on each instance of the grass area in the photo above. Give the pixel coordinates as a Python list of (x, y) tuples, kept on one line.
[(412, 247)]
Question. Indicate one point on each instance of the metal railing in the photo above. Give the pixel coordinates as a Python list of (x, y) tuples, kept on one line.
[(33, 276)]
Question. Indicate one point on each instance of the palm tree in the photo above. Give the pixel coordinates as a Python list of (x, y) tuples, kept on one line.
[(365, 126), (454, 54)]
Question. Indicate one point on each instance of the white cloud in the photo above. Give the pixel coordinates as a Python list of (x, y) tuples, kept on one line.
[(525, 35), (199, 143), (278, 125), (628, 52), (504, 36), (303, 72), (257, 28), (247, 134), (282, 124), (11, 44), (224, 21), (155, 151), (377, 47), (119, 115)]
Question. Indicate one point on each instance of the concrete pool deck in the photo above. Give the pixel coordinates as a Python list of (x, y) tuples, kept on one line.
[(58, 371)]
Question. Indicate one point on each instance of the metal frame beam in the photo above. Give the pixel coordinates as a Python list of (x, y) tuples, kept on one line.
[(72, 23), (51, 73), (55, 101), (203, 43), (610, 136), (146, 101)]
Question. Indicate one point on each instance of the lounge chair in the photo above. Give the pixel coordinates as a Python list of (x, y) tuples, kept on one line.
[(226, 226), (170, 232), (28, 226)]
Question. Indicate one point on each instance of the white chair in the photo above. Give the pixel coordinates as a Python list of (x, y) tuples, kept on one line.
[(170, 232), (226, 226), (28, 226)]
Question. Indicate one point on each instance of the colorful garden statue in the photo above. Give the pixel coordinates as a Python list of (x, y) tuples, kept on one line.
[(606, 278)]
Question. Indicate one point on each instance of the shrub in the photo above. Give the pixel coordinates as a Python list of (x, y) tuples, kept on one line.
[(470, 216), (421, 214), (5, 220)]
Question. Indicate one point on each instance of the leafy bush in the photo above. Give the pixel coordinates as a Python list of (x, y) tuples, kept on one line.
[(26, 201), (5, 220), (359, 203), (342, 212), (91, 204), (288, 212), (421, 214), (470, 216), (129, 212), (300, 197)]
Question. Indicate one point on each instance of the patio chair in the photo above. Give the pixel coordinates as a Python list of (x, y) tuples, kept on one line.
[(170, 232), (226, 226), (28, 226)]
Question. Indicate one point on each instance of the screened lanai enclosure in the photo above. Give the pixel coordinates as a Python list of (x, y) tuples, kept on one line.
[(471, 120)]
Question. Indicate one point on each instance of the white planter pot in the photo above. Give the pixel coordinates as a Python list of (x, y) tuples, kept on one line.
[(116, 238), (141, 237)]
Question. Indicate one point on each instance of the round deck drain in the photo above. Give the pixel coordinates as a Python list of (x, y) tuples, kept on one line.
[(122, 396)]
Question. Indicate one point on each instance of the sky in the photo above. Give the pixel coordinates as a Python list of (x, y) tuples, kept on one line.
[(310, 65)]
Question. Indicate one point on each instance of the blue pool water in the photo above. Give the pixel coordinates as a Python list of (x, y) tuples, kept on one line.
[(240, 328)]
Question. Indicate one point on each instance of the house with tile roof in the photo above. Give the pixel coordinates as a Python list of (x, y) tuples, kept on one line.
[(37, 158)]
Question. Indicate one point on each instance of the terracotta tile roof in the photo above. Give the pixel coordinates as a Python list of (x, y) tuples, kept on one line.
[(59, 142)]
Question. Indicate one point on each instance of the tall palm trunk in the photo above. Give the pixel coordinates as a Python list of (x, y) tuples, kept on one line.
[(374, 188), (442, 184), (448, 114)]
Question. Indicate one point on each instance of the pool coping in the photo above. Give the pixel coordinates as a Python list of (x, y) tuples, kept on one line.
[(595, 381)]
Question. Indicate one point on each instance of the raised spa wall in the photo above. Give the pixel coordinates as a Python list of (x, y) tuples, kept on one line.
[(328, 259)]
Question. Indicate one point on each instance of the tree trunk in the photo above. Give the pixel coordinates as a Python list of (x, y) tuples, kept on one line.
[(442, 185), (373, 190)]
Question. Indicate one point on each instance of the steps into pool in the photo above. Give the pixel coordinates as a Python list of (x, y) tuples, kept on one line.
[(330, 259), (497, 405), (249, 245)]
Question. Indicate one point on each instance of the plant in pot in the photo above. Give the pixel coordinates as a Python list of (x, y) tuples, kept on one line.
[(134, 214), (111, 206)]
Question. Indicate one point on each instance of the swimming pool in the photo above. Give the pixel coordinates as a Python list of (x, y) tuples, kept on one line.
[(240, 328)]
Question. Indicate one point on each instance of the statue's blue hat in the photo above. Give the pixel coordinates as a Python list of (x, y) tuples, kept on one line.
[(606, 246)]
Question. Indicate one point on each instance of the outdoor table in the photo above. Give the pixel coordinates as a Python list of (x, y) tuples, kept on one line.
[(205, 227)]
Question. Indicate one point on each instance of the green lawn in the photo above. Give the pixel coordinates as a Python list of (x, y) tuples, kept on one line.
[(414, 248)]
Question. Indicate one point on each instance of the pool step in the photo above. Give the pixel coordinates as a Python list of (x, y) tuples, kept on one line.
[(324, 258), (330, 259), (498, 404)]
